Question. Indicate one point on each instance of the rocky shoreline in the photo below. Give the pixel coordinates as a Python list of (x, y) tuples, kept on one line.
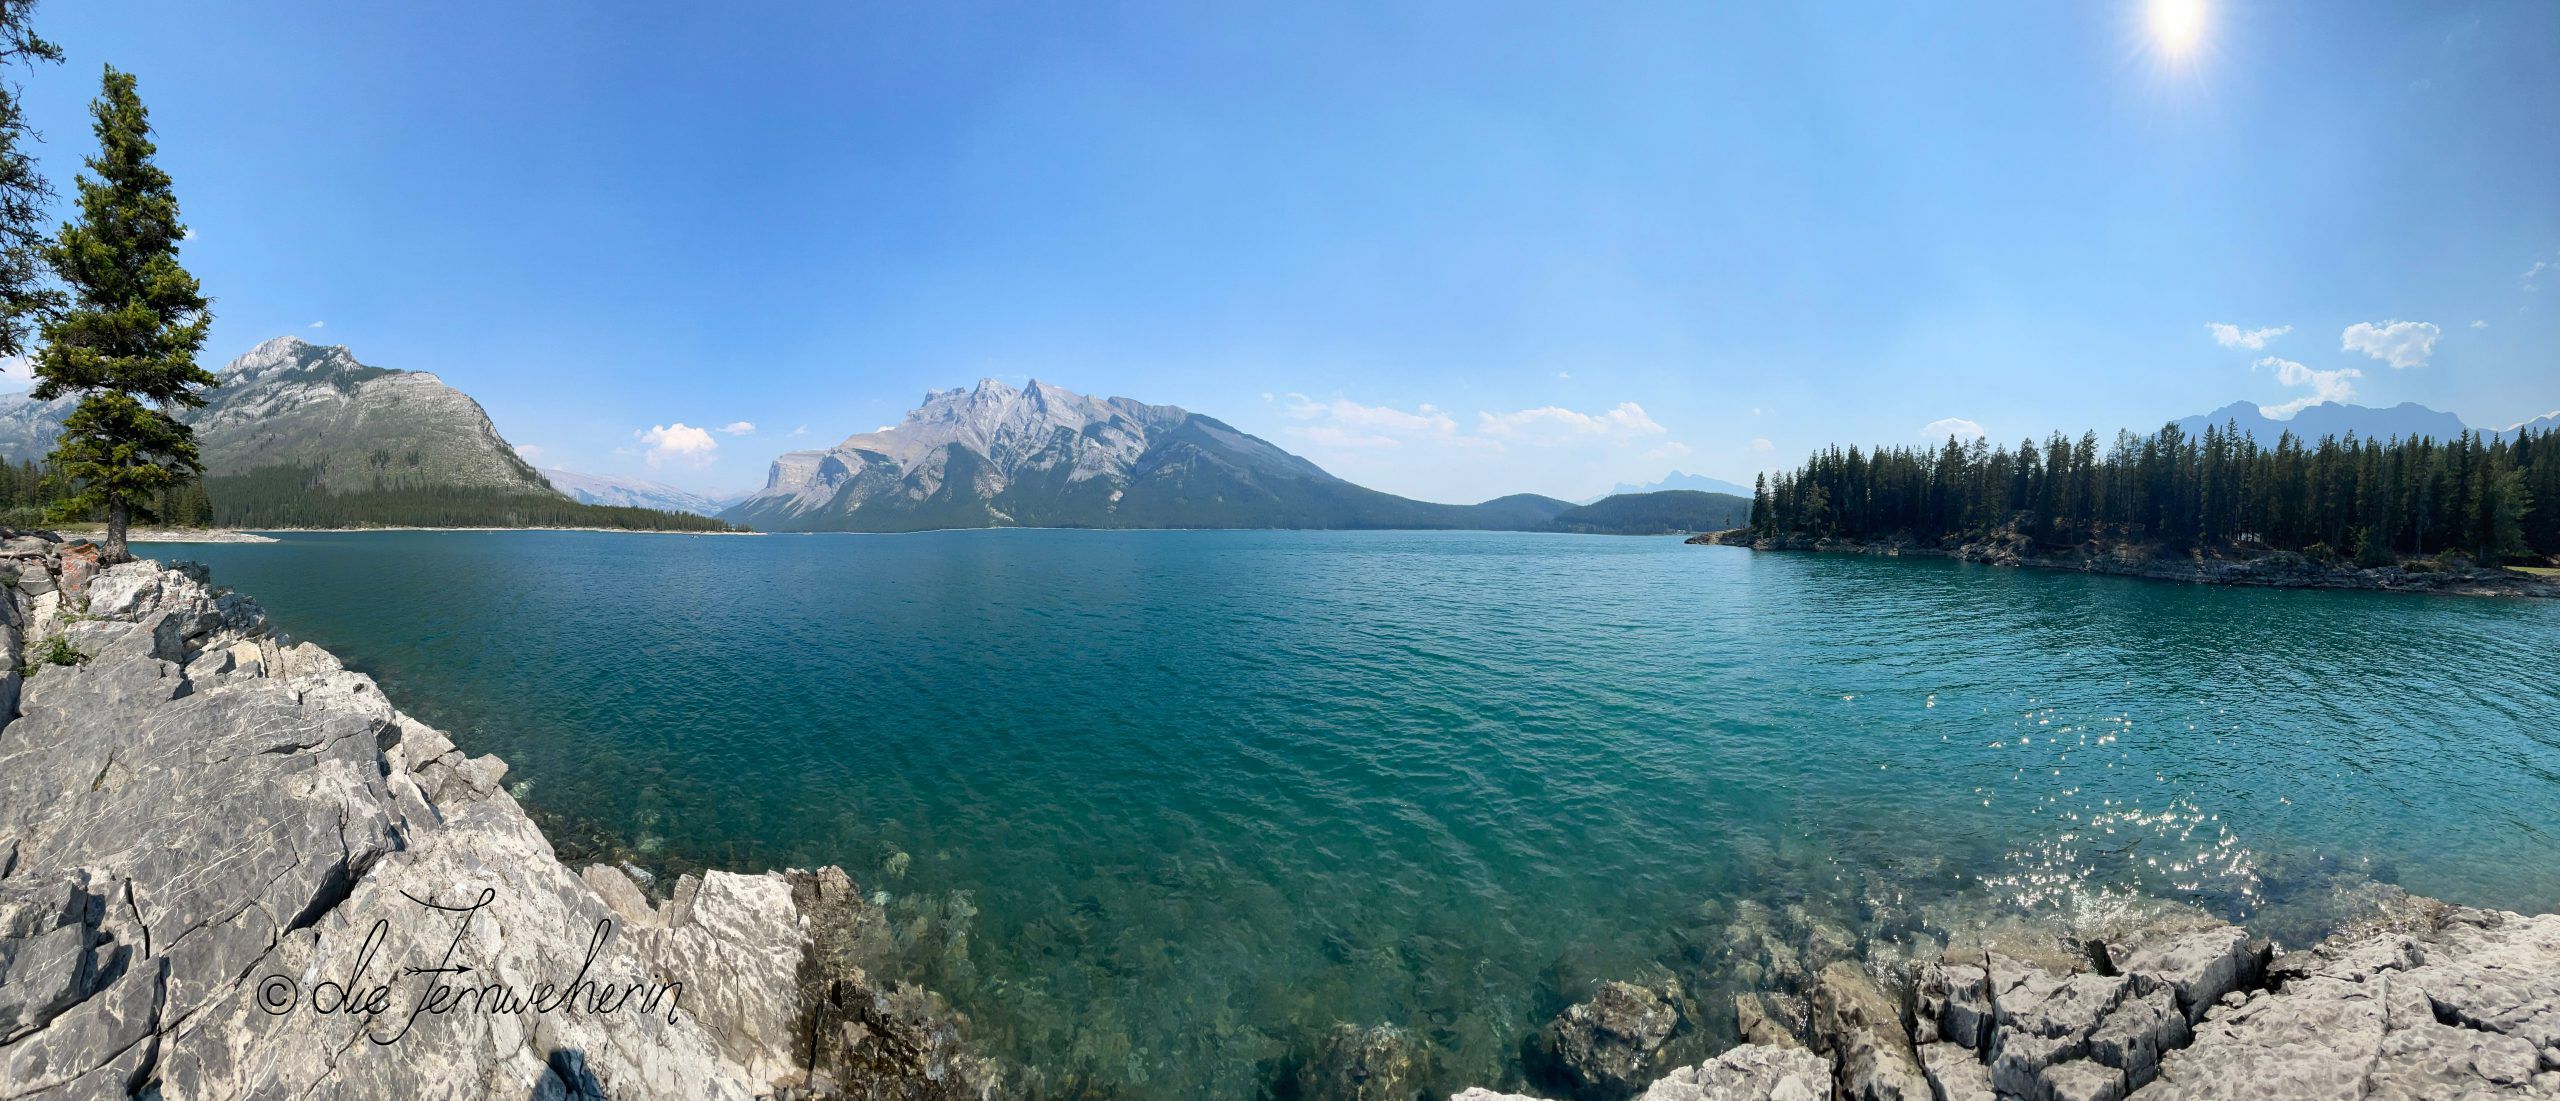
[(2152, 1002), (2273, 569), (230, 868)]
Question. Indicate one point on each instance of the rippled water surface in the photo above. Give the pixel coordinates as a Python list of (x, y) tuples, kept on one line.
[(1166, 804)]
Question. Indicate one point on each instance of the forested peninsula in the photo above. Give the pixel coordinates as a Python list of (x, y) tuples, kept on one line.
[(2402, 513)]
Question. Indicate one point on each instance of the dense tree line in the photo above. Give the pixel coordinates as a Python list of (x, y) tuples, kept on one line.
[(34, 495), (294, 497), (2372, 500), (1659, 512)]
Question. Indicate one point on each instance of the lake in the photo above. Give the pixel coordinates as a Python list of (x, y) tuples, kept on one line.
[(1156, 808)]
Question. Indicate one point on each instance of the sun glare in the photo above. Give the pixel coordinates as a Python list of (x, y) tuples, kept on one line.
[(2177, 25)]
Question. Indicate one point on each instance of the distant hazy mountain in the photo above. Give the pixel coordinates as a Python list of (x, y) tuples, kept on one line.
[(1041, 456), (603, 489), (1663, 512), (1678, 480), (28, 426), (2332, 419), (2548, 422)]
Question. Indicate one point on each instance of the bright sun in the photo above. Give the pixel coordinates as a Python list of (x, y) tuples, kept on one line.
[(2177, 25)]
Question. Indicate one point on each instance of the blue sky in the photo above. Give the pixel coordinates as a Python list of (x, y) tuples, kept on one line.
[(1448, 250)]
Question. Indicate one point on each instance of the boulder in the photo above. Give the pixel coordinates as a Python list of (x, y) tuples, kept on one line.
[(1859, 1028), (1363, 1064), (1604, 1048), (2466, 1004), (1751, 1072)]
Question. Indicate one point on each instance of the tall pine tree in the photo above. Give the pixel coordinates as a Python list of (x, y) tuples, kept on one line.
[(24, 297), (127, 342)]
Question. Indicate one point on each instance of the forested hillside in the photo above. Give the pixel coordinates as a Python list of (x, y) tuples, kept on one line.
[(2372, 500), (1661, 512)]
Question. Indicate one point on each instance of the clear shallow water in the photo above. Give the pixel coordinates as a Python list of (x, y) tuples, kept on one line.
[(1171, 803)]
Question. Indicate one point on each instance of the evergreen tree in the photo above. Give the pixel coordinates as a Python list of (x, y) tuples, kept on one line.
[(24, 297), (127, 341)]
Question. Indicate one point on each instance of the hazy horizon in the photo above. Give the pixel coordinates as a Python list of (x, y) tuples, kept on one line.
[(1450, 252)]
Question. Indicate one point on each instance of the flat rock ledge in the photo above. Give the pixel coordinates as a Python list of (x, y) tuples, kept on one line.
[(229, 868), (2273, 569), (2421, 1001)]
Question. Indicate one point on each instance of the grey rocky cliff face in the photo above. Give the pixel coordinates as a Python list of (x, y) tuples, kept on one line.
[(209, 836), (2158, 1003), (289, 402), (1017, 432)]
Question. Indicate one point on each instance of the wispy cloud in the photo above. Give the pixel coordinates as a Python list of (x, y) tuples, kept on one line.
[(17, 373), (530, 452), (2233, 336), (1551, 424), (317, 325), (1761, 443), (1957, 427), (678, 443), (2324, 385), (738, 428), (2481, 324), (803, 430), (1434, 452), (2401, 344)]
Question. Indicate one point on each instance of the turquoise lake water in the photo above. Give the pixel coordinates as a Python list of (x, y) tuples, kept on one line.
[(1168, 804)]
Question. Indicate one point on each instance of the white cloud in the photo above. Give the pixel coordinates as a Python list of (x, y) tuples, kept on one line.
[(17, 373), (803, 430), (679, 442), (1564, 374), (2233, 336), (1671, 450), (738, 428), (1761, 443), (317, 325), (2398, 343), (2481, 324), (1547, 425), (1382, 422), (189, 235), (531, 452), (2325, 385), (1958, 427), (2539, 266)]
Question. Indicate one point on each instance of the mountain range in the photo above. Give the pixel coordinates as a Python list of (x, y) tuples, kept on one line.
[(2331, 418), (607, 489), (299, 433), (1041, 455)]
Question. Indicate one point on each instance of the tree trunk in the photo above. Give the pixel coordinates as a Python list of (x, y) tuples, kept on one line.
[(118, 518)]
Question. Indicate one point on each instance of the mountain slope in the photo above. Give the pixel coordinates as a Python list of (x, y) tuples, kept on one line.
[(351, 426), (995, 456), (602, 489), (1664, 512), (299, 435)]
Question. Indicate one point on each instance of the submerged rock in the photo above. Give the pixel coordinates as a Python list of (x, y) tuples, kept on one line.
[(1363, 1064), (1604, 1048)]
